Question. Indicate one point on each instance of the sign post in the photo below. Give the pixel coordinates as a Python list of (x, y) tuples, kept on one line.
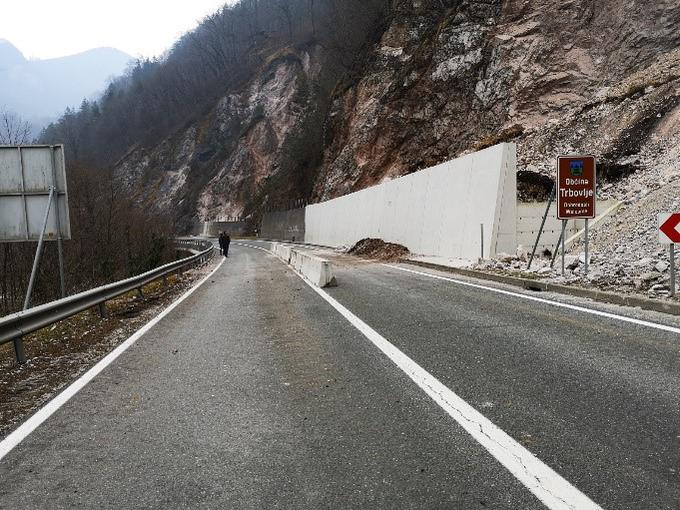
[(34, 206), (540, 229), (672, 292), (669, 234), (576, 198)]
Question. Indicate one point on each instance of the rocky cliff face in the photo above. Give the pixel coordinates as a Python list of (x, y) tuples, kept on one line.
[(242, 154), (446, 77), (556, 77)]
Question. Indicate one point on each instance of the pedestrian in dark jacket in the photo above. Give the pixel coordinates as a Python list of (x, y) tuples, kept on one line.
[(220, 240), (227, 242)]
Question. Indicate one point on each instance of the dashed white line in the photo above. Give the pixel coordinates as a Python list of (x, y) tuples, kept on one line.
[(16, 437)]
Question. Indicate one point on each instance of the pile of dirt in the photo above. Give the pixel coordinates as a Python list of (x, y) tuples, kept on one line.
[(378, 249)]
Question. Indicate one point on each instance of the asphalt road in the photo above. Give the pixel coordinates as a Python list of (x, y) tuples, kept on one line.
[(256, 393)]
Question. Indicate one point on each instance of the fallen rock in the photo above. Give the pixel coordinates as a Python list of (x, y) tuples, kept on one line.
[(650, 276), (571, 261), (661, 266), (646, 262)]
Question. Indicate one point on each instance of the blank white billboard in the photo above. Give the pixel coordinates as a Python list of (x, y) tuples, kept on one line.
[(27, 173)]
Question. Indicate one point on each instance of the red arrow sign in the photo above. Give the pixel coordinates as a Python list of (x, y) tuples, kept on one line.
[(670, 227)]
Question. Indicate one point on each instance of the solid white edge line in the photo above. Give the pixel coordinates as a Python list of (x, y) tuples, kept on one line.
[(548, 486), (37, 419), (558, 304)]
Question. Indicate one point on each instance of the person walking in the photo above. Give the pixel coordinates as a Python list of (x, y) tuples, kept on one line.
[(227, 242), (220, 240)]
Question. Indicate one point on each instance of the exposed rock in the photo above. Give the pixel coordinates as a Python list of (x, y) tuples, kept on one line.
[(645, 262), (650, 276), (445, 78), (571, 262), (661, 266)]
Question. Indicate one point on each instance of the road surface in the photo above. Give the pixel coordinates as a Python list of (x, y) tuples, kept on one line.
[(256, 393)]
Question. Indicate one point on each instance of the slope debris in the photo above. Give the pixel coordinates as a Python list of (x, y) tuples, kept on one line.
[(377, 249)]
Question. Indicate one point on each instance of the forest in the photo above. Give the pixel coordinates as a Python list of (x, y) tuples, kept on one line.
[(112, 238), (158, 96)]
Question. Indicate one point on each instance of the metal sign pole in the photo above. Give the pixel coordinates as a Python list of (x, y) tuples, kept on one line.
[(18, 343), (38, 251), (540, 230), (586, 262), (556, 250), (60, 245), (481, 229), (672, 293), (564, 226)]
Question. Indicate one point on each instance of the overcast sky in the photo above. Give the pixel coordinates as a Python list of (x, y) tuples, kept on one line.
[(50, 28)]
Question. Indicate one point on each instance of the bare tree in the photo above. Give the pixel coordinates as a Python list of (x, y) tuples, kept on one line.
[(287, 17), (311, 16), (13, 129)]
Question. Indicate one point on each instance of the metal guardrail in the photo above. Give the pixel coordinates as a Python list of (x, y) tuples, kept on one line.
[(15, 326)]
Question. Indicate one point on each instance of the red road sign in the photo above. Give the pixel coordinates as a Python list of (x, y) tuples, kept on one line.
[(576, 180), (668, 228)]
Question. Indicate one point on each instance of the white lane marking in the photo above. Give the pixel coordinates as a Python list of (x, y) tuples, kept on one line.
[(583, 309), (16, 437), (548, 486)]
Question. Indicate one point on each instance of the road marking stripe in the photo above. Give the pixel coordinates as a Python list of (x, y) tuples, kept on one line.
[(639, 322), (548, 486), (21, 433)]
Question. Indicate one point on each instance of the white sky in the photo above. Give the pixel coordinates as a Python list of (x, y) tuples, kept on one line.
[(51, 28)]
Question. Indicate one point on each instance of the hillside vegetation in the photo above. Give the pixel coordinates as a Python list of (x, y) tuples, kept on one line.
[(273, 101)]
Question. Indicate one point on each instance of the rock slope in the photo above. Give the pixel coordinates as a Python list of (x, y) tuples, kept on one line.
[(445, 78)]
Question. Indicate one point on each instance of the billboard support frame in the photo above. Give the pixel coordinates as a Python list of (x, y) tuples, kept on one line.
[(33, 185), (60, 243), (19, 350)]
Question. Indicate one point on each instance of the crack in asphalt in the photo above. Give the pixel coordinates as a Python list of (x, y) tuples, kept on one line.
[(519, 459)]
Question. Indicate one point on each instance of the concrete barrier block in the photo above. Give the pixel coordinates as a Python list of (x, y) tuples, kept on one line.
[(317, 270), (295, 259), (281, 251), (284, 253)]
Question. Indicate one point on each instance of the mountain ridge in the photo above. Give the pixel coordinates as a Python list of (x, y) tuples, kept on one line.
[(41, 89)]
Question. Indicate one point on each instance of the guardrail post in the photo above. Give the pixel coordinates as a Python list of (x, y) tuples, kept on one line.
[(140, 293), (19, 351), (103, 312)]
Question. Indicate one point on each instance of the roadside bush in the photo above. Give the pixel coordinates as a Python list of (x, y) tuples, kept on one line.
[(112, 239)]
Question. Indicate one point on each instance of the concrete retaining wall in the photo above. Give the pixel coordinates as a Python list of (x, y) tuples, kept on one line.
[(529, 218), (433, 212), (213, 228), (284, 225)]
